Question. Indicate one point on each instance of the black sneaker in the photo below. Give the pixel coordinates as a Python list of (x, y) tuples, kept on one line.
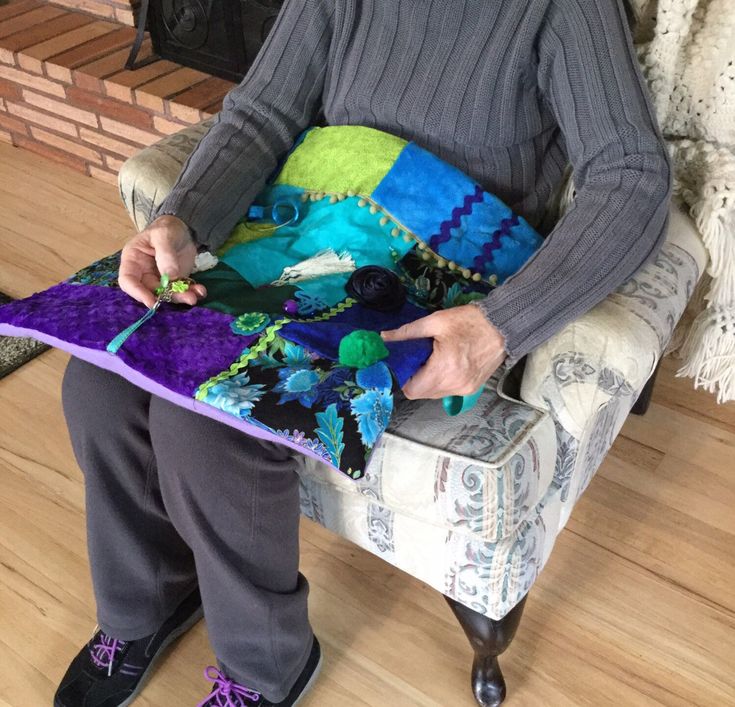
[(110, 673), (228, 693)]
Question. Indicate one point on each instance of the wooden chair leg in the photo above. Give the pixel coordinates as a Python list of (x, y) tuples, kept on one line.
[(644, 399), (488, 638)]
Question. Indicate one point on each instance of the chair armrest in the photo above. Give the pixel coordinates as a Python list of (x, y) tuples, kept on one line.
[(607, 355), (146, 178)]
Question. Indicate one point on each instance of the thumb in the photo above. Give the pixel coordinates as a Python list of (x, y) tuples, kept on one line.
[(417, 329), (167, 261)]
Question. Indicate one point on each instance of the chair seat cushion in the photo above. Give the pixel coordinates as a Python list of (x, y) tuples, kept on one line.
[(478, 473)]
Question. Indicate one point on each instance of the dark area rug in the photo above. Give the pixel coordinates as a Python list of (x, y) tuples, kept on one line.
[(17, 350)]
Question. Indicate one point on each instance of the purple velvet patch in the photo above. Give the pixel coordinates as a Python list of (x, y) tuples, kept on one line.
[(180, 347), (405, 358)]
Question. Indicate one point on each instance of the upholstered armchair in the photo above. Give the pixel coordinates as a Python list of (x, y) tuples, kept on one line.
[(472, 504)]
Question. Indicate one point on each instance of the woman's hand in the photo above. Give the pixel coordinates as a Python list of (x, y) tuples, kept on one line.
[(468, 349), (165, 246)]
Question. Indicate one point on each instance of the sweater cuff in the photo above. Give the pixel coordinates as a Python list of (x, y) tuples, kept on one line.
[(518, 342), (180, 204)]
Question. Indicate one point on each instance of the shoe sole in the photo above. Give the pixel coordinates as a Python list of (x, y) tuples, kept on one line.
[(176, 633), (312, 679)]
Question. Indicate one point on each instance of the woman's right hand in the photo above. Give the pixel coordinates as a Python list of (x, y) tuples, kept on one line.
[(165, 246)]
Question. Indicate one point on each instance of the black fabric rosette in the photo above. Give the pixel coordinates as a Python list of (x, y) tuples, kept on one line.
[(377, 287)]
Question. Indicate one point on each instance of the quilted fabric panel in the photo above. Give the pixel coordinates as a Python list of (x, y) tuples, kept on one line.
[(339, 248)]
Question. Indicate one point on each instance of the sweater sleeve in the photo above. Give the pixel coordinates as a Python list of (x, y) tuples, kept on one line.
[(589, 77), (260, 119)]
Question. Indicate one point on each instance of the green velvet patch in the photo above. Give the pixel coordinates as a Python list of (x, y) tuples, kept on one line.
[(362, 348), (229, 292), (338, 159)]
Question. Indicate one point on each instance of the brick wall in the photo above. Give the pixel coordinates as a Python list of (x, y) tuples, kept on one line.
[(64, 92), (123, 11)]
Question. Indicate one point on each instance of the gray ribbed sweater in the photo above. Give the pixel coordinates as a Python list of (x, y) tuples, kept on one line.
[(509, 91)]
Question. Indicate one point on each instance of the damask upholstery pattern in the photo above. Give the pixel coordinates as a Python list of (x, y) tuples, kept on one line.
[(479, 473), (472, 505)]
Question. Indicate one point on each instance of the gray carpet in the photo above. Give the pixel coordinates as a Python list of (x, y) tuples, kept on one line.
[(17, 350)]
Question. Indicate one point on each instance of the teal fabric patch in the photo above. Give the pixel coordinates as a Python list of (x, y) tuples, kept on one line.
[(229, 292), (321, 292), (341, 227)]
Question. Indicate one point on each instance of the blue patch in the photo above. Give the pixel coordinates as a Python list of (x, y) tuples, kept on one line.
[(420, 190), (405, 357), (490, 239)]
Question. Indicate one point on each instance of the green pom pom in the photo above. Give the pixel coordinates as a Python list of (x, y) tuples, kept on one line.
[(362, 348)]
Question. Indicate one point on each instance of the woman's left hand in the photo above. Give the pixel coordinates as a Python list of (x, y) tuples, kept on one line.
[(468, 349)]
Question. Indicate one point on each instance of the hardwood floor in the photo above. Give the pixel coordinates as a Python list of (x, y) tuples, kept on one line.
[(636, 605)]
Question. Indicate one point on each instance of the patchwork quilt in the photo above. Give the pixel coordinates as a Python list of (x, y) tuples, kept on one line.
[(357, 231)]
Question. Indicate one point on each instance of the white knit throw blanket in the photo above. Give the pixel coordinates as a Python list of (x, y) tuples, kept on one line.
[(686, 49)]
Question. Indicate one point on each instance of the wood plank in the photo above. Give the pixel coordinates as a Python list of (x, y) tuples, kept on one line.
[(678, 394), (52, 153), (41, 244)]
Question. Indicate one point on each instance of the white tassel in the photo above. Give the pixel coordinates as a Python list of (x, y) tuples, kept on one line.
[(204, 261), (325, 262), (709, 353)]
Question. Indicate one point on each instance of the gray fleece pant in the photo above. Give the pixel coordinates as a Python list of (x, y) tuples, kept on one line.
[(173, 499)]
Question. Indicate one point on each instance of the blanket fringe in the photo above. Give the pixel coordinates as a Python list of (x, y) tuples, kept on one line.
[(697, 304), (709, 353), (711, 221)]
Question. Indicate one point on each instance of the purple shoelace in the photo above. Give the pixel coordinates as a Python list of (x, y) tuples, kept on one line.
[(224, 690), (105, 650)]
